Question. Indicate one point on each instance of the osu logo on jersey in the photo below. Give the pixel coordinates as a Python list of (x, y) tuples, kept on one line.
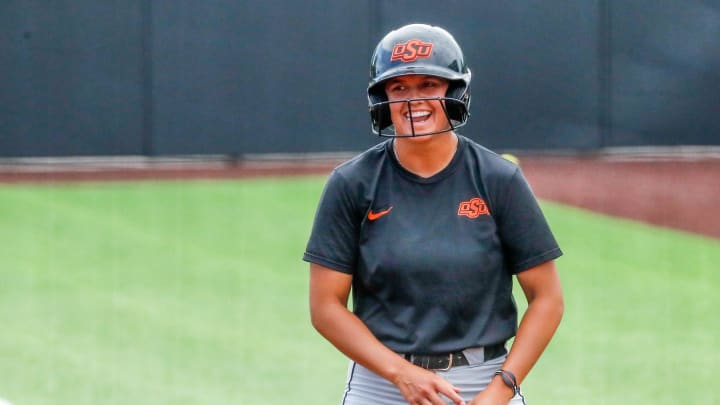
[(473, 208), (411, 50)]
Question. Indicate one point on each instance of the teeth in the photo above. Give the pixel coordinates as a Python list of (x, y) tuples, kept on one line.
[(418, 114)]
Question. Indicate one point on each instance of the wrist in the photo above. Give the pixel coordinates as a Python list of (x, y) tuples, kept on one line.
[(498, 387), (508, 380), (396, 368)]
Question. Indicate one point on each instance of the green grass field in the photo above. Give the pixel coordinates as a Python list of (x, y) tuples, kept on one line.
[(195, 293)]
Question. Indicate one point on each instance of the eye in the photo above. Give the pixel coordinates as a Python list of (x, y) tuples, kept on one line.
[(396, 88)]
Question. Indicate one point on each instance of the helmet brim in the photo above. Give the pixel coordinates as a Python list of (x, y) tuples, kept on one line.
[(429, 70)]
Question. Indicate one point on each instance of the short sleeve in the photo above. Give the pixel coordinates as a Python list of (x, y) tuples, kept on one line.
[(333, 241), (524, 231)]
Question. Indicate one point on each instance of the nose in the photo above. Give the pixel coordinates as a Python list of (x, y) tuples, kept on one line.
[(410, 92), (414, 93), (413, 96)]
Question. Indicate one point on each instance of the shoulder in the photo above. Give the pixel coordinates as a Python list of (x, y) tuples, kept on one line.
[(363, 165), (353, 180), (490, 163)]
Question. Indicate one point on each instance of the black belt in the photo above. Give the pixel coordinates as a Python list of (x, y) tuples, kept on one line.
[(445, 361)]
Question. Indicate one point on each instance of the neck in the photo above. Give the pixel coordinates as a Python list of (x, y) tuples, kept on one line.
[(426, 156)]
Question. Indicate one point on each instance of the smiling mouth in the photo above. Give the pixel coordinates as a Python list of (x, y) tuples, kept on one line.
[(418, 116)]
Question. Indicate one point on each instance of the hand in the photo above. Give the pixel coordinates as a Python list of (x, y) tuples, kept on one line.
[(494, 394), (423, 387)]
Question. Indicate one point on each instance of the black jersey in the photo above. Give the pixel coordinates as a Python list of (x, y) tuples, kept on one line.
[(432, 258)]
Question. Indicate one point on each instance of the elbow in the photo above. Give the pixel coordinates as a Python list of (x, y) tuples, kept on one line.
[(552, 305), (321, 316), (316, 319), (315, 315), (558, 306)]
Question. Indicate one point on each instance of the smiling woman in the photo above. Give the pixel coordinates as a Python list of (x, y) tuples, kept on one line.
[(428, 229)]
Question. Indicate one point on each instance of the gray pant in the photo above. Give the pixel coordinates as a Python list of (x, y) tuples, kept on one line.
[(365, 387)]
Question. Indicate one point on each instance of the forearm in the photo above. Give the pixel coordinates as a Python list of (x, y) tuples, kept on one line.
[(536, 329), (329, 292), (349, 334)]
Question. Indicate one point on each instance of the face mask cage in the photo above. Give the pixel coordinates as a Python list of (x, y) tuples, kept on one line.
[(455, 113)]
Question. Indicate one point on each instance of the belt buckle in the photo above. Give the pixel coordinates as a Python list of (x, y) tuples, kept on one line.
[(426, 362), (449, 366)]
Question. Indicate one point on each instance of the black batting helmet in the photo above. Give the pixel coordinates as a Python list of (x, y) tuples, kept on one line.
[(423, 50)]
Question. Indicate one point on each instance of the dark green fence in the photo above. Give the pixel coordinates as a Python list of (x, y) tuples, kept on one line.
[(143, 77)]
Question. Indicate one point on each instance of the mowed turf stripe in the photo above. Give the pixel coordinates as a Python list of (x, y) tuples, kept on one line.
[(194, 291)]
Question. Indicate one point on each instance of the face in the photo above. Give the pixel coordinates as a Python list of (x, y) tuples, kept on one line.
[(427, 115)]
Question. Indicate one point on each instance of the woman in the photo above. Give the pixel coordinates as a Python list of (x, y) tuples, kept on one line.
[(427, 229)]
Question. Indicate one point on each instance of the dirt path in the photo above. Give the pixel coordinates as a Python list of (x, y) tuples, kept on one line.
[(673, 191), (682, 194)]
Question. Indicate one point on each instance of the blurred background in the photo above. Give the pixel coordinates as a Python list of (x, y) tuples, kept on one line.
[(237, 78)]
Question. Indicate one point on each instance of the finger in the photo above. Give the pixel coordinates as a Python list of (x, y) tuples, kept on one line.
[(452, 392), (425, 399), (437, 400)]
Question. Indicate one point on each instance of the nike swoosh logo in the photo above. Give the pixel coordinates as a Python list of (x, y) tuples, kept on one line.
[(375, 215)]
